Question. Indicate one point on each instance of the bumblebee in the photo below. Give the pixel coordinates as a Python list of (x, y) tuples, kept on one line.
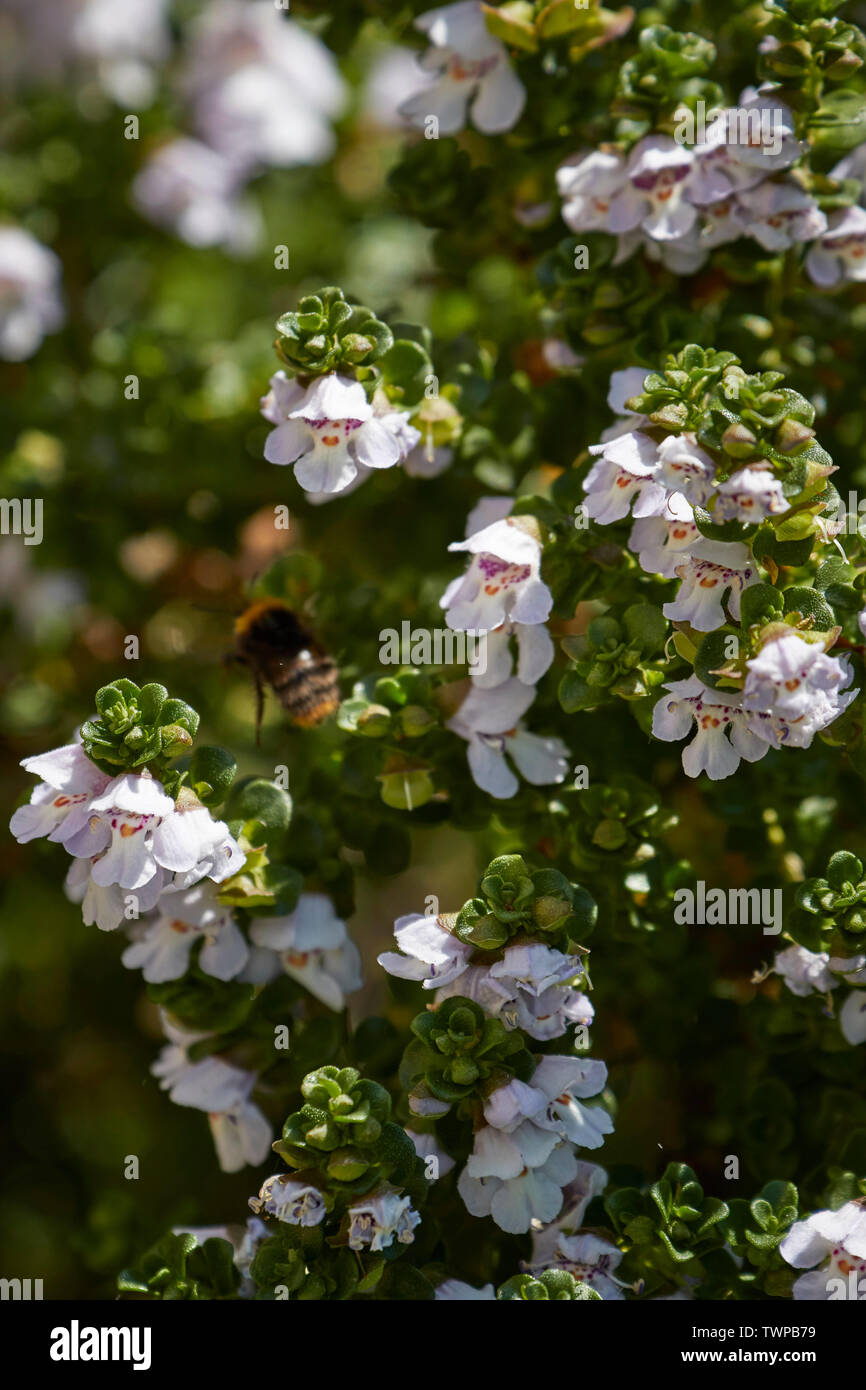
[(282, 653)]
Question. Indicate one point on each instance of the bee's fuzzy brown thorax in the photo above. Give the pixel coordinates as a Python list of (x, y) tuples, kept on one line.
[(283, 654)]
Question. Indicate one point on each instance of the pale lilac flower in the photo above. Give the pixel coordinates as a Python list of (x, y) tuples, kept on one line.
[(295, 1203), (836, 1242), (330, 430), (30, 302), (428, 952), (427, 1146), (535, 1194), (804, 971), (587, 183), (105, 906), (240, 1131), (660, 542), (455, 1290), (503, 582), (782, 215), (193, 191), (472, 72), (489, 722), (624, 478), (840, 253), (535, 653), (60, 805), (162, 948), (312, 946), (654, 196), (799, 687), (852, 1017), (751, 494), (710, 571), (684, 467), (375, 1222), (589, 1258), (725, 733)]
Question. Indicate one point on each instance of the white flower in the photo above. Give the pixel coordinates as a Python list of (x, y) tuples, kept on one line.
[(427, 1146), (488, 720), (623, 477), (454, 1290), (514, 1203), (566, 1081), (528, 988), (717, 714), (472, 71), (535, 653), (750, 494), (162, 951), (654, 195), (313, 947), (781, 215), (106, 906), (241, 1135), (852, 1018), (263, 90), (721, 223), (378, 1220), (659, 541), (710, 571), (429, 952), (684, 467), (503, 581), (330, 430), (840, 254), (590, 1181), (296, 1203), (587, 1257), (193, 191), (240, 1131), (60, 805), (804, 971), (587, 183), (835, 1240), (799, 687), (30, 302)]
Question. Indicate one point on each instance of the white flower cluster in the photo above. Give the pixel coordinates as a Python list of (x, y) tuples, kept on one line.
[(679, 201), (467, 73), (815, 972), (792, 687), (503, 598), (523, 1156), (128, 839), (142, 860), (530, 987), (311, 945), (262, 92)]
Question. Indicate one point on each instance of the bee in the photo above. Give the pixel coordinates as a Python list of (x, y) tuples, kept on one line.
[(282, 653)]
